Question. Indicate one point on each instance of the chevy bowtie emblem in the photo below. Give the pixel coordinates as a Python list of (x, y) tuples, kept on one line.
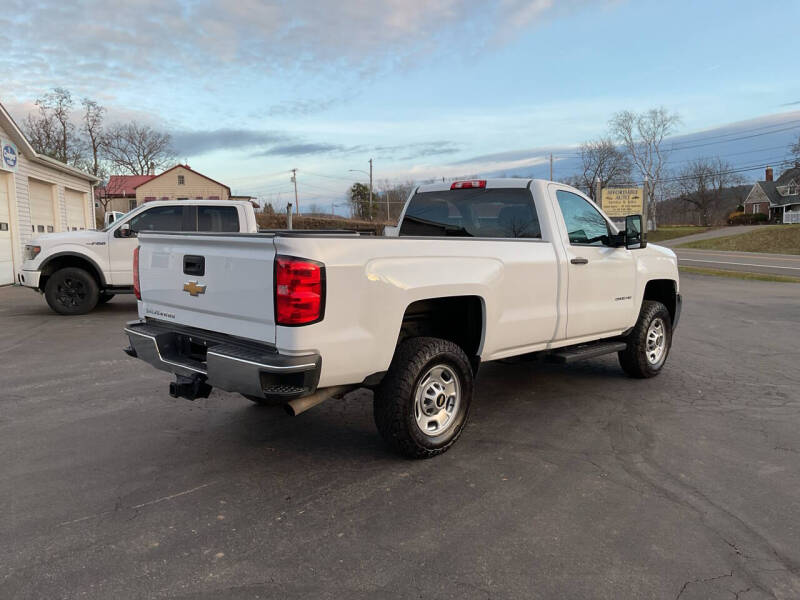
[(193, 288)]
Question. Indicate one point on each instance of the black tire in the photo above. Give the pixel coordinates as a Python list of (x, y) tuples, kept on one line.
[(634, 359), (105, 297), (71, 291), (394, 399)]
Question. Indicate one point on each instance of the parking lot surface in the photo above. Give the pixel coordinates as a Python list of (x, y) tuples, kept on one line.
[(568, 482)]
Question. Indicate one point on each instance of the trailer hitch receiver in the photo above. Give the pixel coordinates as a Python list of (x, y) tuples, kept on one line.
[(190, 388)]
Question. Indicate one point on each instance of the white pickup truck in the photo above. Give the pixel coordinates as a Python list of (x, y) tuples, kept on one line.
[(76, 270), (476, 271)]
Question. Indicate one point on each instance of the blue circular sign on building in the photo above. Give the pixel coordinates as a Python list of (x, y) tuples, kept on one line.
[(10, 156)]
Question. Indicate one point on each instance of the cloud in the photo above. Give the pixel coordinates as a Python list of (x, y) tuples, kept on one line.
[(303, 149), (194, 143), (111, 45)]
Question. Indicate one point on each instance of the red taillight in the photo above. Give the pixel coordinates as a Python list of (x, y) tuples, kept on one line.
[(137, 292), (465, 185), (299, 291)]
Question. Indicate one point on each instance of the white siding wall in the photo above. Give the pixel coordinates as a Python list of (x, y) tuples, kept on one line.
[(21, 227)]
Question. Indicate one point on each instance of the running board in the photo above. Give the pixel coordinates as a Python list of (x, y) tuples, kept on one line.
[(584, 351)]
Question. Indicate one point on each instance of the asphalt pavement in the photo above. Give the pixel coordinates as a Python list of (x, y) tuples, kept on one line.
[(569, 481)]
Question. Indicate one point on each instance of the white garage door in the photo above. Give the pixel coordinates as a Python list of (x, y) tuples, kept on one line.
[(76, 209), (41, 203), (6, 264)]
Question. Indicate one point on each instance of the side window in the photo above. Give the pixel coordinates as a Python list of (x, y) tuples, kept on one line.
[(159, 218), (585, 224), (217, 218)]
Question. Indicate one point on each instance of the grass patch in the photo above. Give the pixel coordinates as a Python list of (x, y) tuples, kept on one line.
[(776, 239), (671, 232), (740, 275)]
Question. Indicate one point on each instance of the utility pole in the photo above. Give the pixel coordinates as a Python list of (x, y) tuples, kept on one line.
[(294, 181), (288, 215), (370, 189), (551, 166)]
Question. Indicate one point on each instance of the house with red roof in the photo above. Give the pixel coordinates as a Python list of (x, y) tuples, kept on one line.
[(181, 182), (119, 194)]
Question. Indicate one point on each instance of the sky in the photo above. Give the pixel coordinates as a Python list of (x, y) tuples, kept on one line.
[(426, 88)]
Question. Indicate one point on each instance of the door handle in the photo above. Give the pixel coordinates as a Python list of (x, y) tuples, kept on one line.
[(194, 265), (580, 261)]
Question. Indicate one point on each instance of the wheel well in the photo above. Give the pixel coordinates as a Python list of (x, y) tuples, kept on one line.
[(458, 319), (662, 290), (69, 260)]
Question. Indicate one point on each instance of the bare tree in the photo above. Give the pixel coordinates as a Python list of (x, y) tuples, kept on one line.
[(702, 184), (391, 199), (642, 135), (93, 129), (602, 160), (135, 149), (51, 130), (795, 149)]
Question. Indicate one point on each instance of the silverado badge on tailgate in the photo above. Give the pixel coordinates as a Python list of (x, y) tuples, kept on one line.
[(193, 288)]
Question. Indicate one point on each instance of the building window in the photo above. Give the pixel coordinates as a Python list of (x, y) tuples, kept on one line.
[(181, 180), (131, 203)]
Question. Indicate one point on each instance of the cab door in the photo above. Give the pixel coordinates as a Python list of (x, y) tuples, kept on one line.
[(601, 278), (156, 218)]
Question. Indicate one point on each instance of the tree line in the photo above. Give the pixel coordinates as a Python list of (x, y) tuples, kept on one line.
[(76, 133)]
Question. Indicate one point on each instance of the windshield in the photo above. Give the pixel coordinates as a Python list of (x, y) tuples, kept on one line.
[(479, 212)]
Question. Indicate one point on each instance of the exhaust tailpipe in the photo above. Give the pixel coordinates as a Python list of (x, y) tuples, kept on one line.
[(300, 405)]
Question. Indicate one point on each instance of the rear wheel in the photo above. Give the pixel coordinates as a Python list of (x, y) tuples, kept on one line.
[(422, 404), (649, 342), (71, 291)]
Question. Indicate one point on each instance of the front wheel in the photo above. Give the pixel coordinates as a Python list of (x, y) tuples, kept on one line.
[(71, 291), (422, 404), (649, 342)]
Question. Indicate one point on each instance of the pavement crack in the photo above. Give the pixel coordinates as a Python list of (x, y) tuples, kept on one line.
[(706, 580)]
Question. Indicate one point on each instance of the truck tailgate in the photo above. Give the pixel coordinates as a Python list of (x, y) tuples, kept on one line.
[(218, 282)]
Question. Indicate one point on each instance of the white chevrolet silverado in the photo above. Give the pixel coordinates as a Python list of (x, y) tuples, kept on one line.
[(476, 271), (76, 270)]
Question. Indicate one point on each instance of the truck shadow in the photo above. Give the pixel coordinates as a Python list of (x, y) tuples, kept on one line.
[(506, 394)]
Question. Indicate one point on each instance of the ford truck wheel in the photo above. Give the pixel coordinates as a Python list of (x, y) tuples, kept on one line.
[(71, 291), (422, 404), (649, 342)]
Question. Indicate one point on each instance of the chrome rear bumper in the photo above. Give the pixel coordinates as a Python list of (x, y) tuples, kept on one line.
[(230, 364)]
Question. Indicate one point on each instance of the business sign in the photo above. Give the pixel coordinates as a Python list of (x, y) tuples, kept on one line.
[(10, 156), (621, 202)]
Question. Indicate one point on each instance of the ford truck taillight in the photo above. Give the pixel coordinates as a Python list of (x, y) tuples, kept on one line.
[(136, 290), (299, 291)]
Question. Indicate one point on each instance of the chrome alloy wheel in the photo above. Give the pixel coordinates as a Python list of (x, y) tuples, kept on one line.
[(436, 400), (656, 342)]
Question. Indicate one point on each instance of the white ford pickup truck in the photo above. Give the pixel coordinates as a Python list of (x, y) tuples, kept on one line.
[(76, 270), (476, 271)]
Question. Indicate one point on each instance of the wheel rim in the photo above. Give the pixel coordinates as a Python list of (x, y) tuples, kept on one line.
[(656, 341), (437, 400), (71, 293)]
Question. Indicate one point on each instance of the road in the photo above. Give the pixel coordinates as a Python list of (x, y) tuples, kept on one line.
[(569, 481), (750, 262)]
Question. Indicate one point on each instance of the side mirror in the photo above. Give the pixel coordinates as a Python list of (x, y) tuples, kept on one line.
[(125, 231), (634, 235)]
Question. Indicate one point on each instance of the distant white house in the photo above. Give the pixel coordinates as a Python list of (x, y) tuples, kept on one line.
[(779, 199)]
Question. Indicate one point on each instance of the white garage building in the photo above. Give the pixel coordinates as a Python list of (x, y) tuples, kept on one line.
[(37, 195)]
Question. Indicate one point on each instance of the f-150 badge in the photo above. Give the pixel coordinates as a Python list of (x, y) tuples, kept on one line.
[(193, 288)]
